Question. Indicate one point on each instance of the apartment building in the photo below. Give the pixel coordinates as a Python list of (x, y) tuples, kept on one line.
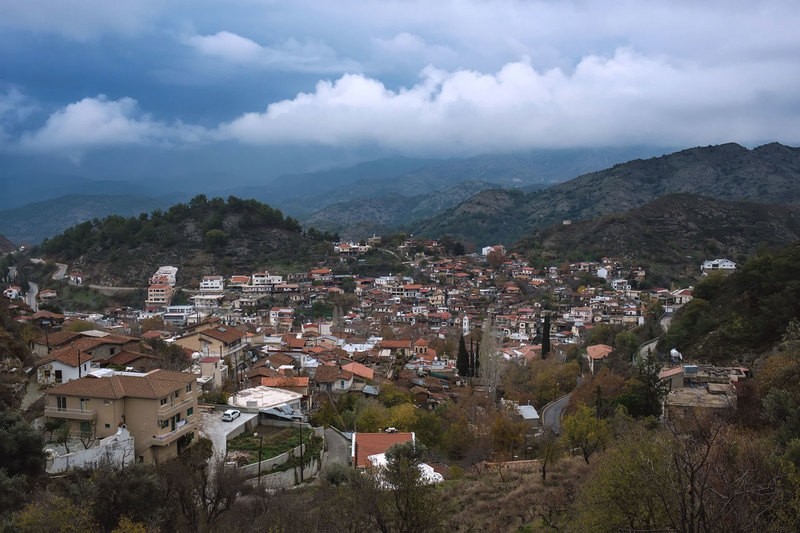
[(158, 408)]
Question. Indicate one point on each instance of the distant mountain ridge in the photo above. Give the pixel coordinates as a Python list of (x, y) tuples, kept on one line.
[(767, 174), (672, 234), (37, 221)]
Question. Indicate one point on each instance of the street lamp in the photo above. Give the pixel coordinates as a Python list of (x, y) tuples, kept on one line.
[(260, 445)]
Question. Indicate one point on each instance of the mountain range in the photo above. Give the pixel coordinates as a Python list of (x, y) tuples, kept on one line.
[(767, 174), (339, 195)]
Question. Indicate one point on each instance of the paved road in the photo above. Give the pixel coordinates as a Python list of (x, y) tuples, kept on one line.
[(58, 275), (551, 413), (338, 448), (30, 298)]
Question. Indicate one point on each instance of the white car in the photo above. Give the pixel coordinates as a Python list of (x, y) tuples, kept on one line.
[(230, 415)]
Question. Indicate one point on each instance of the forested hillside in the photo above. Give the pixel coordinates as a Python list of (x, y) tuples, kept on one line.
[(200, 237), (743, 316)]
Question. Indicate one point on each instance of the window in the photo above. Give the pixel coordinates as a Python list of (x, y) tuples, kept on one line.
[(61, 402), (163, 401), (163, 423), (84, 404), (188, 387), (59, 376), (108, 426), (189, 412), (86, 427)]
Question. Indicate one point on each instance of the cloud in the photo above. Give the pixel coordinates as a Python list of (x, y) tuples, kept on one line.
[(99, 122), (290, 55), (80, 20), (15, 108), (626, 98)]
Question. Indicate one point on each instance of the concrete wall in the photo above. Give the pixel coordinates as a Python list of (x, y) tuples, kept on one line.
[(117, 449)]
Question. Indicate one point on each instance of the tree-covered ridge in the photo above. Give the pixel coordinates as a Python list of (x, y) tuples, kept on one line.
[(214, 220), (743, 315), (201, 237)]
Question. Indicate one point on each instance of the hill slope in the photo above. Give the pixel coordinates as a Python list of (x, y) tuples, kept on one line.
[(767, 174), (201, 237), (740, 317), (672, 234)]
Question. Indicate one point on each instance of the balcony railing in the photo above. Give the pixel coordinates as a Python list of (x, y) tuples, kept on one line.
[(168, 408), (73, 414), (185, 426)]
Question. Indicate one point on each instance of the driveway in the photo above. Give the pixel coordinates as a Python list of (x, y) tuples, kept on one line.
[(338, 448), (217, 431)]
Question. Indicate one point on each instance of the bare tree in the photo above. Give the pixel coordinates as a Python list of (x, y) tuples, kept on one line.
[(490, 359)]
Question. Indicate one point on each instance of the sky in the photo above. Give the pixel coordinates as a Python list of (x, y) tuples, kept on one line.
[(90, 83)]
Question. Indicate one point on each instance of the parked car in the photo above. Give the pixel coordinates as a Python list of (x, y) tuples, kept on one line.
[(230, 415)]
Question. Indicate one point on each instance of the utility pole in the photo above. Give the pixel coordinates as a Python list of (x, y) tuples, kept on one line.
[(260, 445), (301, 451)]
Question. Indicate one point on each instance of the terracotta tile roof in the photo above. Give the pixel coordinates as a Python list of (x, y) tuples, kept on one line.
[(367, 444), (293, 342), (360, 370), (155, 384), (598, 351), (126, 357), (329, 374), (57, 338), (282, 382), (67, 355), (225, 334), (280, 359), (396, 344)]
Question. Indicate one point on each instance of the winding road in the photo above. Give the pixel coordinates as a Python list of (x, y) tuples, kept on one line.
[(551, 413)]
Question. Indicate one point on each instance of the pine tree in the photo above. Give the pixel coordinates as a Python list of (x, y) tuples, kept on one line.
[(463, 359)]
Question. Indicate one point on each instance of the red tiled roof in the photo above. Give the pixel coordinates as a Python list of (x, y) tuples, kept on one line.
[(367, 444)]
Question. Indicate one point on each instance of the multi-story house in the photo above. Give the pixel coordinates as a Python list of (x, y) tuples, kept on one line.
[(159, 296), (158, 408), (220, 341), (212, 284)]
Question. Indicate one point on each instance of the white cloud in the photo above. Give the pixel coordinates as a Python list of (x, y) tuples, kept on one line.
[(623, 99), (290, 55), (98, 122)]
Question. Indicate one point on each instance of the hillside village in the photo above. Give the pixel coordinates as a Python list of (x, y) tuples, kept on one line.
[(250, 330), (328, 348)]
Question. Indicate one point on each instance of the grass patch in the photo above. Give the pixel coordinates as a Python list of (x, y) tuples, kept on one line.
[(273, 441)]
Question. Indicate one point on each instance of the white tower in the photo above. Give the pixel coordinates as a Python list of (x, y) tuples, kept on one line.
[(465, 325)]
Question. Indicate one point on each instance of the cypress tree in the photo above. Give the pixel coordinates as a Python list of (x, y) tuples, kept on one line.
[(463, 359), (546, 336)]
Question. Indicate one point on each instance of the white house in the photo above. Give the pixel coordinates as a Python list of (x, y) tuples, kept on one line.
[(62, 365), (212, 284), (717, 265)]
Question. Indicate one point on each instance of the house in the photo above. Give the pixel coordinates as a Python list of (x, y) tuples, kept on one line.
[(366, 444), (14, 292), (529, 415), (717, 265), (212, 284), (76, 278), (219, 341), (158, 408), (159, 297), (165, 275), (332, 379), (62, 365), (360, 371), (596, 353), (47, 294)]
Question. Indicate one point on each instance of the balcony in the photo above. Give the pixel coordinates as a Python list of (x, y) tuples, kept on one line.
[(172, 408), (72, 414), (186, 426)]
